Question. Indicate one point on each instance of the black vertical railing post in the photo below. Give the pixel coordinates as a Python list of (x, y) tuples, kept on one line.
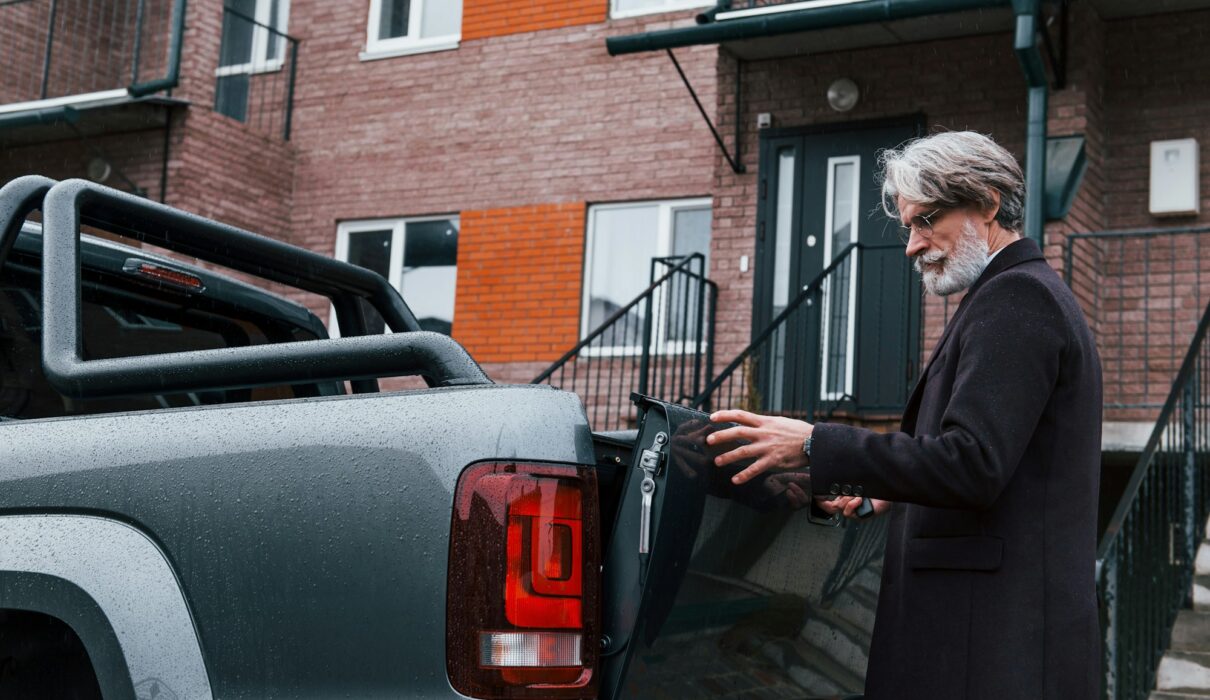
[(138, 41), (645, 351), (1188, 473), (50, 41), (293, 43)]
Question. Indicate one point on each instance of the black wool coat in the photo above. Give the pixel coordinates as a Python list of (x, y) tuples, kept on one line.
[(988, 588)]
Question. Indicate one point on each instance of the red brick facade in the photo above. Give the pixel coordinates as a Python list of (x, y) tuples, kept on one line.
[(518, 294), (529, 122)]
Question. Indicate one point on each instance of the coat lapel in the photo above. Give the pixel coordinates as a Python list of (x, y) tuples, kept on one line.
[(1014, 254)]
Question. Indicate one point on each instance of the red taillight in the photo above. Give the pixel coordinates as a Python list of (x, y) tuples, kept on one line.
[(524, 582), (167, 275)]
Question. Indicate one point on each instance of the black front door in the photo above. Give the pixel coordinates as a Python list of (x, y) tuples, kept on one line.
[(852, 343)]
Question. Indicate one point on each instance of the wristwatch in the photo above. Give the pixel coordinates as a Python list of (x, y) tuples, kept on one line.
[(806, 449)]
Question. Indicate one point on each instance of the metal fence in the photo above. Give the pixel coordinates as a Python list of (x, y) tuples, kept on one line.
[(660, 344), (1145, 558), (61, 48), (257, 68), (774, 374), (1143, 293)]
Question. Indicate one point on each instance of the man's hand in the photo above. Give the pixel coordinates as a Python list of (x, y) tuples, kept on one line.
[(848, 505), (773, 442)]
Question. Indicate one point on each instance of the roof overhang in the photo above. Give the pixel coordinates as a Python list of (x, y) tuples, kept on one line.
[(89, 115), (814, 26)]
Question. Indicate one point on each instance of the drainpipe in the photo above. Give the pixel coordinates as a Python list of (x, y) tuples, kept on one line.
[(1028, 53)]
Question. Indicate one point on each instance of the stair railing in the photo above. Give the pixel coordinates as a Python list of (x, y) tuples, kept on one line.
[(1145, 558), (776, 374), (660, 344)]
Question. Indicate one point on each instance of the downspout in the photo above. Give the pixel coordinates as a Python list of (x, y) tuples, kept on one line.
[(1028, 53)]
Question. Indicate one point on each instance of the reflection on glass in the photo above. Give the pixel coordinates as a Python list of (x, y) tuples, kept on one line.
[(393, 20), (839, 293), (430, 272), (690, 235), (624, 242), (776, 362), (372, 250)]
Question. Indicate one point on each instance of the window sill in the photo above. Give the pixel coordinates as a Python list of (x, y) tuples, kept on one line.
[(696, 5), (378, 54)]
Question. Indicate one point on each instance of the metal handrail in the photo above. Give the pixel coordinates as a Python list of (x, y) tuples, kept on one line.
[(600, 330), (1144, 558), (1114, 309), (1179, 385), (810, 289)]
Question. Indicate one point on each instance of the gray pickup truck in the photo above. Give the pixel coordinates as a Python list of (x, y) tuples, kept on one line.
[(203, 496)]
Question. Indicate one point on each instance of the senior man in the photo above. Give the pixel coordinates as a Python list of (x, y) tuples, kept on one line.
[(988, 582)]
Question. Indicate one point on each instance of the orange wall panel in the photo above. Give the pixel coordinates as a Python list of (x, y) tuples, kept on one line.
[(519, 279), (487, 18)]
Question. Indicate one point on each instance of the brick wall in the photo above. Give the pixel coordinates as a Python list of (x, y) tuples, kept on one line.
[(488, 18), (519, 272), (531, 119)]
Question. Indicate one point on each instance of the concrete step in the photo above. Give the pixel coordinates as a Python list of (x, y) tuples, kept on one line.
[(1157, 695), (1191, 631), (1201, 592), (1184, 672), (1201, 565)]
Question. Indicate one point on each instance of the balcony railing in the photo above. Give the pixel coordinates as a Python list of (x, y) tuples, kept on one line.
[(255, 78), (62, 51), (1143, 293), (660, 344)]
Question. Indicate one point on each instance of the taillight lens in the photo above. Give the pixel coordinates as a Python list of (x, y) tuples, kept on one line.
[(523, 606)]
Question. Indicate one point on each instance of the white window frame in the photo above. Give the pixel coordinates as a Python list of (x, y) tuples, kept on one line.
[(674, 6), (664, 217), (260, 62), (410, 43), (851, 341), (398, 228)]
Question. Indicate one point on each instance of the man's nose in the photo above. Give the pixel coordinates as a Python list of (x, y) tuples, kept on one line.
[(916, 244)]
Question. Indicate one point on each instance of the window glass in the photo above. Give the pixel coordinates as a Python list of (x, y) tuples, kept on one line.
[(623, 241), (393, 19), (407, 25), (840, 290), (441, 18), (418, 256), (430, 272)]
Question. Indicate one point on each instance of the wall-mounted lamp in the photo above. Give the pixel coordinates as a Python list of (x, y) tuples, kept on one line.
[(843, 94), (99, 169)]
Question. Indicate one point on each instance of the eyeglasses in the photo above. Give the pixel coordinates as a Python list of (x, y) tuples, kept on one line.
[(921, 224)]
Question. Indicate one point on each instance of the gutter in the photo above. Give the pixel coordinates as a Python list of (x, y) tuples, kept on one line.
[(1030, 57), (790, 22)]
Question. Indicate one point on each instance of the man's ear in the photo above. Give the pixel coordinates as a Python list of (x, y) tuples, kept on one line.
[(989, 214)]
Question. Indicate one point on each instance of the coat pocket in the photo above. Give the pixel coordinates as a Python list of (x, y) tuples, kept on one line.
[(969, 553)]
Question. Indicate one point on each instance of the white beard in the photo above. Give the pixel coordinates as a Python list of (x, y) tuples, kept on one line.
[(956, 269)]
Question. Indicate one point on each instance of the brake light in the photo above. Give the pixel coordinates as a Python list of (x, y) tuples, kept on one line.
[(523, 603), (165, 275)]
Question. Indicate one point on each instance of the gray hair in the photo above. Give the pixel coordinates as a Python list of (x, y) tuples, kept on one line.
[(954, 169)]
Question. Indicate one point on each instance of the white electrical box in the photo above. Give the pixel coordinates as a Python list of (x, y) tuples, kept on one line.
[(1175, 178)]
